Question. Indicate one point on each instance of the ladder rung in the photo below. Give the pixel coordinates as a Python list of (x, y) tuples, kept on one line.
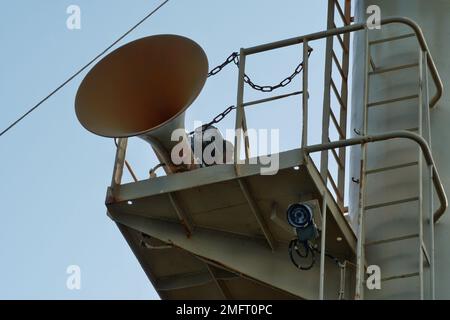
[(390, 203), (336, 124), (382, 169), (341, 42), (377, 242), (416, 129), (404, 36), (425, 252), (344, 47), (336, 157), (383, 102), (341, 12), (338, 66), (338, 95), (390, 69), (401, 276), (372, 63)]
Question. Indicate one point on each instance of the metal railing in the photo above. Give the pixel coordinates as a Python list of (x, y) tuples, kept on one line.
[(241, 123), (425, 59), (240, 114), (352, 28), (401, 134)]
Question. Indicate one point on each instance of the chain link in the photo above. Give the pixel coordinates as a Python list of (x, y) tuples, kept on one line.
[(219, 68), (216, 119), (234, 57), (281, 84)]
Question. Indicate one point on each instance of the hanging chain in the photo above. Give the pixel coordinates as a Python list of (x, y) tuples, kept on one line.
[(283, 83), (234, 57), (216, 119)]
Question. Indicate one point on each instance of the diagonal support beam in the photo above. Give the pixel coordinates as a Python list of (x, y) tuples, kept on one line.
[(257, 212), (219, 282), (185, 219)]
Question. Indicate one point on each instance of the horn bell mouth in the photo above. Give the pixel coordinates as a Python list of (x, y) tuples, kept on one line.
[(141, 86)]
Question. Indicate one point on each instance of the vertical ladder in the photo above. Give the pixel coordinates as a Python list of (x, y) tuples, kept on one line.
[(424, 258), (339, 121)]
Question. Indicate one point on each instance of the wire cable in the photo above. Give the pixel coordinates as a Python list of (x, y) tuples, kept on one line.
[(82, 69), (309, 251)]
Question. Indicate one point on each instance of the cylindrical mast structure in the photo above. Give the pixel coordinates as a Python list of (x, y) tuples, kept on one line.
[(393, 169)]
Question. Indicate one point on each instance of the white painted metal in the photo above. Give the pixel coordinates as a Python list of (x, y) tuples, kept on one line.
[(402, 257)]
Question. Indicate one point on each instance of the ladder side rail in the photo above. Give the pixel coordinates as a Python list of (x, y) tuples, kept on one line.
[(360, 256), (420, 177), (344, 95), (327, 91), (427, 124)]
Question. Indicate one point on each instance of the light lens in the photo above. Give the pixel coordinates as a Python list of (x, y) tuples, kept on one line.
[(299, 215)]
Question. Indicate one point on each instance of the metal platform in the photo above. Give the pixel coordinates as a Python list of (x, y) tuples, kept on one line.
[(216, 233)]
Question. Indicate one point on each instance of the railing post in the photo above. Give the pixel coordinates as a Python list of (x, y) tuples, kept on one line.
[(305, 95), (240, 116), (119, 162), (323, 245)]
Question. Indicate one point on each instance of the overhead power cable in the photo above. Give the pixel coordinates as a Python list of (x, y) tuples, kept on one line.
[(82, 69)]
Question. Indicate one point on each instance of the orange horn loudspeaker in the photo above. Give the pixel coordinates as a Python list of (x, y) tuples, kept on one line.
[(143, 89)]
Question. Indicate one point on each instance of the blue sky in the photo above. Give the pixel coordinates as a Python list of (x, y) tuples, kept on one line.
[(54, 173)]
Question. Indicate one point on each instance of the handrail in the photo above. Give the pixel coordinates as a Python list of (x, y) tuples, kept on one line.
[(388, 136), (356, 27)]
